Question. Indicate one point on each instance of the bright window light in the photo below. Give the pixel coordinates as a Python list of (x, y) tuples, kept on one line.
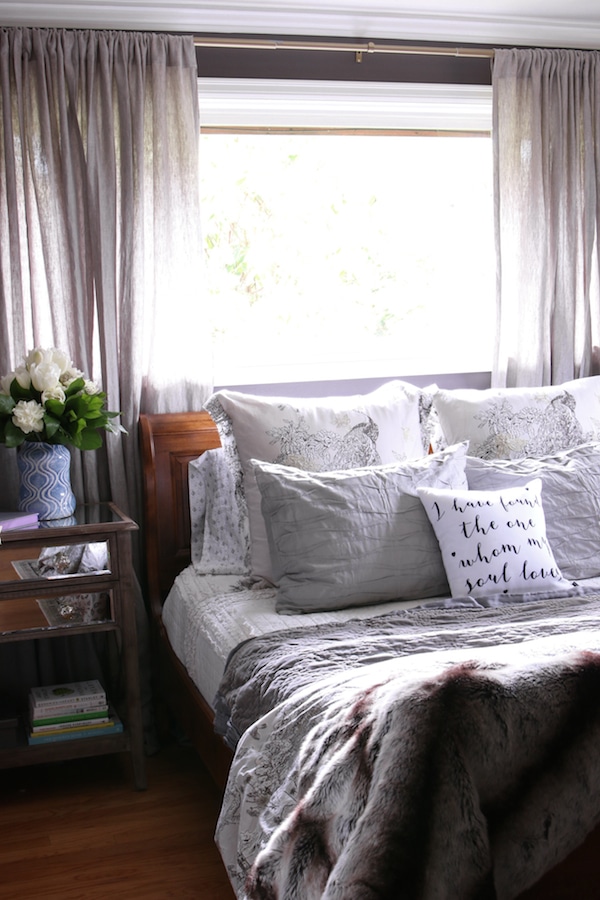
[(347, 255)]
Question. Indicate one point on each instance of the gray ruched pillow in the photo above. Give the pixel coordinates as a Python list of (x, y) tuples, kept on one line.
[(355, 537), (571, 498)]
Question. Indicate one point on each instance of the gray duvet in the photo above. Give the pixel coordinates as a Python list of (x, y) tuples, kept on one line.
[(430, 753)]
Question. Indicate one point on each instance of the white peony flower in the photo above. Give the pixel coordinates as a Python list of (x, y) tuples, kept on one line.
[(57, 403), (44, 376), (70, 375), (28, 415), (53, 355), (36, 356), (55, 393), (5, 383), (60, 359), (22, 375)]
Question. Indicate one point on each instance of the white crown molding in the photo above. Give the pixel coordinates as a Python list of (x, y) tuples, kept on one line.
[(330, 18)]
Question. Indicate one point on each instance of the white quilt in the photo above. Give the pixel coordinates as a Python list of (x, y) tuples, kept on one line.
[(206, 616)]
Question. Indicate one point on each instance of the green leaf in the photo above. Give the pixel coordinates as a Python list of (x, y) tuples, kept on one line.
[(55, 408), (95, 403), (79, 426), (7, 404), (79, 405), (89, 439), (75, 386), (20, 393), (52, 426), (13, 436)]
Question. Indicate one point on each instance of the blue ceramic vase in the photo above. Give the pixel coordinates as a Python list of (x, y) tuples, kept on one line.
[(45, 480)]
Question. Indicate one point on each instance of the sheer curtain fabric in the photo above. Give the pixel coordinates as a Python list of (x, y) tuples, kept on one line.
[(99, 254), (99, 225), (546, 132)]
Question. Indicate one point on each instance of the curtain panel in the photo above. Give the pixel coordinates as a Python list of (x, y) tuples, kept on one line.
[(100, 249), (546, 134), (99, 255)]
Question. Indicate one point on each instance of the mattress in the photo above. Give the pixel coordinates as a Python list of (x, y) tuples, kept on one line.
[(207, 616)]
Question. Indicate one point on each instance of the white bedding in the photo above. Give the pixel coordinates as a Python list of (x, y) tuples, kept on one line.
[(207, 616)]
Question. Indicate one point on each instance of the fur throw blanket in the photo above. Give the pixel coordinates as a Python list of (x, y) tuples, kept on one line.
[(454, 774)]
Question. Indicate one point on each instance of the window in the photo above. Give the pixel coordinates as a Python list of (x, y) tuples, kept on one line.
[(339, 247)]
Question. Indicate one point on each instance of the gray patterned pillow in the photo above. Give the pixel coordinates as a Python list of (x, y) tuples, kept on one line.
[(355, 537), (220, 540), (512, 423)]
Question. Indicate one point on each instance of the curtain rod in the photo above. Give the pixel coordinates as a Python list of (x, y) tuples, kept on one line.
[(356, 48)]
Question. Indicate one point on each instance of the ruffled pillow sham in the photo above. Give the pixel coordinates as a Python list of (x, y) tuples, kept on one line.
[(312, 434)]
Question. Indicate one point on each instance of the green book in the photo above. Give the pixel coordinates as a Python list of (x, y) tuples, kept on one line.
[(100, 713), (114, 726)]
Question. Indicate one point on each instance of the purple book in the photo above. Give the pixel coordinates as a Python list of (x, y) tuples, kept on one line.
[(10, 521)]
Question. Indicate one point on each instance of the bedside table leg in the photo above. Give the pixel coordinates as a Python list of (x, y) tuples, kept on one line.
[(128, 596)]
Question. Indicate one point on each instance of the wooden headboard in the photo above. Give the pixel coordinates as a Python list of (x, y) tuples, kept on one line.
[(169, 441)]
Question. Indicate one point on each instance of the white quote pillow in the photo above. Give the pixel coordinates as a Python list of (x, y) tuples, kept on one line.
[(494, 542)]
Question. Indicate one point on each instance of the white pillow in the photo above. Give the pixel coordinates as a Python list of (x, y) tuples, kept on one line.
[(354, 537), (510, 423), (571, 497), (313, 434), (220, 541), (494, 542)]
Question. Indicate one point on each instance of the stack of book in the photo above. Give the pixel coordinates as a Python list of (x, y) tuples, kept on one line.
[(63, 712)]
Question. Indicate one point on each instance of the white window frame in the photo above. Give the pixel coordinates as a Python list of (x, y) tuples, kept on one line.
[(228, 102)]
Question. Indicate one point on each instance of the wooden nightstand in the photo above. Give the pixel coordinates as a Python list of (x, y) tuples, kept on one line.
[(34, 604)]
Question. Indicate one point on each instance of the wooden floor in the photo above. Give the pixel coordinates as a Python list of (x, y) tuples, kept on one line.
[(78, 831)]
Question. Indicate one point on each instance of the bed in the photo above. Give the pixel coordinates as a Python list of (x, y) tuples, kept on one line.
[(559, 643)]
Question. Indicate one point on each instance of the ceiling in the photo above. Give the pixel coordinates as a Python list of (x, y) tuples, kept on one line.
[(560, 23)]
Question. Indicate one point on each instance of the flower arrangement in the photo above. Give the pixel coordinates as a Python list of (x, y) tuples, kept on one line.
[(48, 399)]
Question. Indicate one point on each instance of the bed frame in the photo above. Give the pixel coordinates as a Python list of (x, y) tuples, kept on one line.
[(169, 441)]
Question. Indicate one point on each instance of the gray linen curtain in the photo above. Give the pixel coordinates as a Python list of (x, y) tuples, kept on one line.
[(99, 226), (546, 133), (99, 244)]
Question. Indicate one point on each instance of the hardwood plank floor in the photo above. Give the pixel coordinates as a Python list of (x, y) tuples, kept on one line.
[(78, 831)]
